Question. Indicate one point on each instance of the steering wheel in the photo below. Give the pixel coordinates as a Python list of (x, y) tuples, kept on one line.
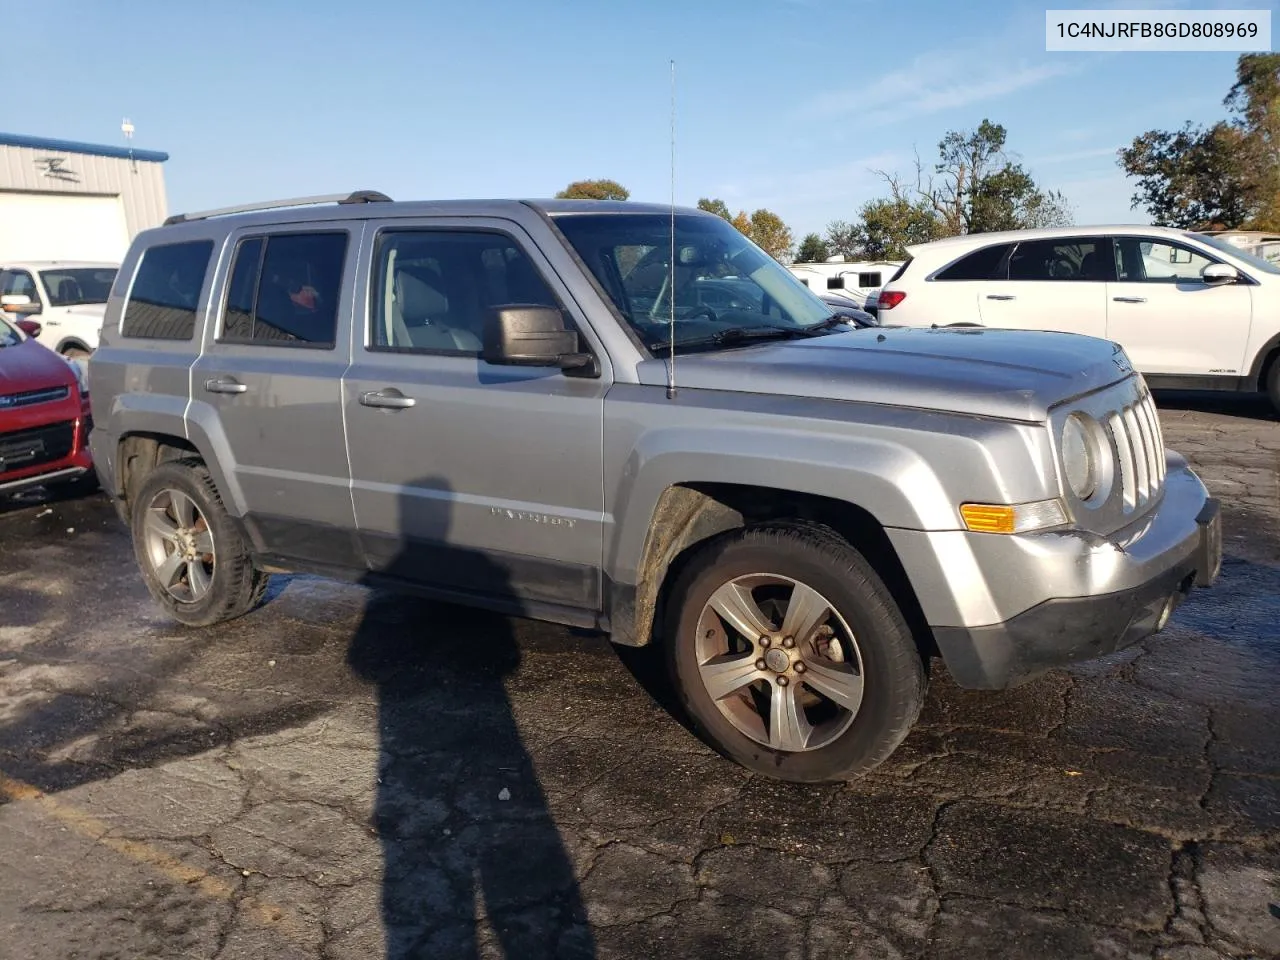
[(699, 311)]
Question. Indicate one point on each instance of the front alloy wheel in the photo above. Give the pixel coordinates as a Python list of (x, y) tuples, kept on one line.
[(790, 655), (779, 662)]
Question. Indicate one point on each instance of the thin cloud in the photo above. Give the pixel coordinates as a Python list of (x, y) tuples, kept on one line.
[(932, 83), (1072, 156)]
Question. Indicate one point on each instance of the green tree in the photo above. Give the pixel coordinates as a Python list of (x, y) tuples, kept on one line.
[(716, 206), (886, 228), (1226, 176), (771, 235), (978, 188), (843, 240), (812, 249), (594, 190)]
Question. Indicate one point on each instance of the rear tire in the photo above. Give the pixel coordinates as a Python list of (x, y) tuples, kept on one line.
[(830, 702), (193, 559), (75, 353)]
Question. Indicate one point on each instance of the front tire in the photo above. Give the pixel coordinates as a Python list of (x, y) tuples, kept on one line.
[(832, 680), (193, 559)]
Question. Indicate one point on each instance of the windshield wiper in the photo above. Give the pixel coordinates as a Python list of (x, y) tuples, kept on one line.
[(738, 335)]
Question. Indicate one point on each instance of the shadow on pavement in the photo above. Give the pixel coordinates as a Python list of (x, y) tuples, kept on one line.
[(465, 828), (1245, 406)]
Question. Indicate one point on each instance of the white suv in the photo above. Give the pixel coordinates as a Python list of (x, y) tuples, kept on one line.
[(69, 297), (1191, 311)]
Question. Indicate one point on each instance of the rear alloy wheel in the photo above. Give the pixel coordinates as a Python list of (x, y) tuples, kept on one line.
[(791, 656), (192, 556)]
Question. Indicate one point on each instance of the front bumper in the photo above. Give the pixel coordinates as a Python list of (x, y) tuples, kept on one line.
[(1004, 608)]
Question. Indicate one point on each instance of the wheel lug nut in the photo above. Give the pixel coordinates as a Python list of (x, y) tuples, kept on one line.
[(800, 668), (764, 641), (760, 664), (789, 642), (782, 681)]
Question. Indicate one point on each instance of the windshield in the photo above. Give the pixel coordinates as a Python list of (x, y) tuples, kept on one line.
[(721, 282), (1240, 254), (71, 287)]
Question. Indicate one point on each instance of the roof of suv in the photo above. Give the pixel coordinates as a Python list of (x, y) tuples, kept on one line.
[(951, 244), (57, 265), (365, 204)]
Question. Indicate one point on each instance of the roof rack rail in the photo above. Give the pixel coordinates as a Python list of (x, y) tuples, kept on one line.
[(358, 196)]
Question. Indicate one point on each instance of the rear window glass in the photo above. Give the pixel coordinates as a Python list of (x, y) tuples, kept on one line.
[(286, 294), (166, 291), (984, 264)]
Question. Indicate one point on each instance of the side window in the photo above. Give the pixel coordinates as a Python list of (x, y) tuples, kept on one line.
[(18, 283), (869, 279), (166, 291), (1066, 259), (835, 283), (432, 289), (1140, 260), (984, 264), (284, 290)]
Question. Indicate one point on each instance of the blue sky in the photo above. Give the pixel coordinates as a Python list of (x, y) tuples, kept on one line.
[(787, 104)]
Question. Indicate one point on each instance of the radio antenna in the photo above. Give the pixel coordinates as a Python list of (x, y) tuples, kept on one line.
[(671, 266)]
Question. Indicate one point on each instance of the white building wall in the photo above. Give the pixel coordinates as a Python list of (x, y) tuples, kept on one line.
[(139, 185)]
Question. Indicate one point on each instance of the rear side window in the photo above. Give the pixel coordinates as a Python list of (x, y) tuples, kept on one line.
[(1068, 259), (166, 291), (901, 270), (284, 290), (984, 264)]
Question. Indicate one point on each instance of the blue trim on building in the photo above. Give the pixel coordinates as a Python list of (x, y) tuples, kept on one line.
[(72, 146)]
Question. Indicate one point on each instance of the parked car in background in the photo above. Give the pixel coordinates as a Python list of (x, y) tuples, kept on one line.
[(844, 307), (44, 414), (69, 297), (1192, 311)]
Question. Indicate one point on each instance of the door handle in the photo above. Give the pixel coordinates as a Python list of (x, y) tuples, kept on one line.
[(1000, 296), (388, 401), (225, 386), (1129, 299)]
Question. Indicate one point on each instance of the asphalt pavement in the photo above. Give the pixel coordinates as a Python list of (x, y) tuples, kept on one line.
[(353, 774)]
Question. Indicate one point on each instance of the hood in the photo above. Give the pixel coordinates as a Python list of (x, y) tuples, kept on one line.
[(32, 366), (1011, 374)]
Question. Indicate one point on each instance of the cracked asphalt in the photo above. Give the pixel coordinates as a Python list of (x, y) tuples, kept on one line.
[(350, 774)]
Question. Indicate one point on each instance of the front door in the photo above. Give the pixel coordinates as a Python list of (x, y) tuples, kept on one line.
[(469, 477), (270, 374), (1168, 319), (1056, 284)]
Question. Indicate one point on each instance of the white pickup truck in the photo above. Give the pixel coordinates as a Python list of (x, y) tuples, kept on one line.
[(68, 296)]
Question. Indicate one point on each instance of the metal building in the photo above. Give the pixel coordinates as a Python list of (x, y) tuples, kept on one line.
[(61, 200)]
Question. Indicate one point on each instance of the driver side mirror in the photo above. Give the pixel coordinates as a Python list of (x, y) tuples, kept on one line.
[(29, 327), (18, 303), (529, 335), (1220, 273)]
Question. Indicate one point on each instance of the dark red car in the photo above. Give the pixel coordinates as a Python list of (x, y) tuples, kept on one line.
[(44, 413)]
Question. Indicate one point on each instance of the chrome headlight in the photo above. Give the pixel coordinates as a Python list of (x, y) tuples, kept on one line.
[(1080, 456)]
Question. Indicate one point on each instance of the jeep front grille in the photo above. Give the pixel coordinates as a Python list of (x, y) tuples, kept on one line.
[(1139, 444)]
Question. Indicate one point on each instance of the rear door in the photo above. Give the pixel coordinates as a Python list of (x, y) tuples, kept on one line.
[(1051, 284), (471, 477), (270, 374), (1168, 319)]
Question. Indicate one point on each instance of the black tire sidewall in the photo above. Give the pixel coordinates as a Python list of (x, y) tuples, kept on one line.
[(893, 671), (192, 479)]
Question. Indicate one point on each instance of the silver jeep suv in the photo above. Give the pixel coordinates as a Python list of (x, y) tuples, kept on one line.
[(621, 417)]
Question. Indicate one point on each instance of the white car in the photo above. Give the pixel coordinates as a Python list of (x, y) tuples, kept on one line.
[(1192, 311), (68, 297)]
